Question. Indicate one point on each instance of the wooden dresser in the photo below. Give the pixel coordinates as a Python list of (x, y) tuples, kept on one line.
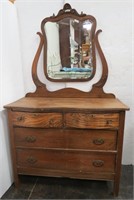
[(67, 137), (68, 132)]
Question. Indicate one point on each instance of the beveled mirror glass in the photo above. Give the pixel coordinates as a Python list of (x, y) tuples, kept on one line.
[(69, 49)]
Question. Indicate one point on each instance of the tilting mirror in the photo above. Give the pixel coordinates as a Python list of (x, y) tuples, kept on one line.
[(69, 53)]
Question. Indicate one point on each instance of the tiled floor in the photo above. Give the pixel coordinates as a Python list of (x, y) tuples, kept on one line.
[(61, 188)]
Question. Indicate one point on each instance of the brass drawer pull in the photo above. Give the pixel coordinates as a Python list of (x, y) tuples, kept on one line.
[(98, 163), (51, 122), (108, 122), (21, 118), (31, 160), (98, 141), (30, 139)]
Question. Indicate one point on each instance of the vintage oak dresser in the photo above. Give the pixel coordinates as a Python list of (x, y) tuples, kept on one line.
[(68, 132)]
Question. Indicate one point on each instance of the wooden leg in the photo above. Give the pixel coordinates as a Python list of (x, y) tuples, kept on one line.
[(116, 187), (16, 181), (119, 154)]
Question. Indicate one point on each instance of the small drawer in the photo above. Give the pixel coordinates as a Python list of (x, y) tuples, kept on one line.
[(82, 120), (46, 120), (78, 161), (65, 139)]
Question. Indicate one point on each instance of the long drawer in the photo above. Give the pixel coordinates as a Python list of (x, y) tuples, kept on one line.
[(71, 120), (45, 120), (66, 160), (85, 120), (62, 138)]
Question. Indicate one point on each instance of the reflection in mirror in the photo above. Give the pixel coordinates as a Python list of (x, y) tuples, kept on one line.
[(69, 49)]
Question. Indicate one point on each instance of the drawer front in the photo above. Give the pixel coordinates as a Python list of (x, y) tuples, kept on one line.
[(45, 120), (82, 120), (66, 160), (70, 139)]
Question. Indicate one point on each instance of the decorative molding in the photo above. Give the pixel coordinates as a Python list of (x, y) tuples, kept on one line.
[(35, 62), (68, 9)]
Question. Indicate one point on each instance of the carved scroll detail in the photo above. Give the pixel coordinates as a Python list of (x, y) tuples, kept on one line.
[(68, 9), (40, 87), (98, 87), (35, 62), (104, 76)]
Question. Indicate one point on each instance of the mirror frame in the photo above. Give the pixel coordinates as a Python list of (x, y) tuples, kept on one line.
[(68, 12)]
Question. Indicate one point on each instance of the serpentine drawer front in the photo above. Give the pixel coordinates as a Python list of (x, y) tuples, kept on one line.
[(77, 120), (45, 120), (82, 120), (66, 160), (62, 138)]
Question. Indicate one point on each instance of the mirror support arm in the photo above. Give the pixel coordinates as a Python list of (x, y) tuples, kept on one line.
[(98, 87), (40, 87), (104, 76), (36, 80)]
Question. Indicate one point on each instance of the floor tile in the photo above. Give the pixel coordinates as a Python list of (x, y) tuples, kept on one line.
[(62, 188), (24, 189)]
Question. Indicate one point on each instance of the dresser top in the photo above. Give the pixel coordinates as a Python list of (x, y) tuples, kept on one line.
[(40, 104)]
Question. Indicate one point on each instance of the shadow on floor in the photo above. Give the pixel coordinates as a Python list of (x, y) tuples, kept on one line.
[(32, 187)]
